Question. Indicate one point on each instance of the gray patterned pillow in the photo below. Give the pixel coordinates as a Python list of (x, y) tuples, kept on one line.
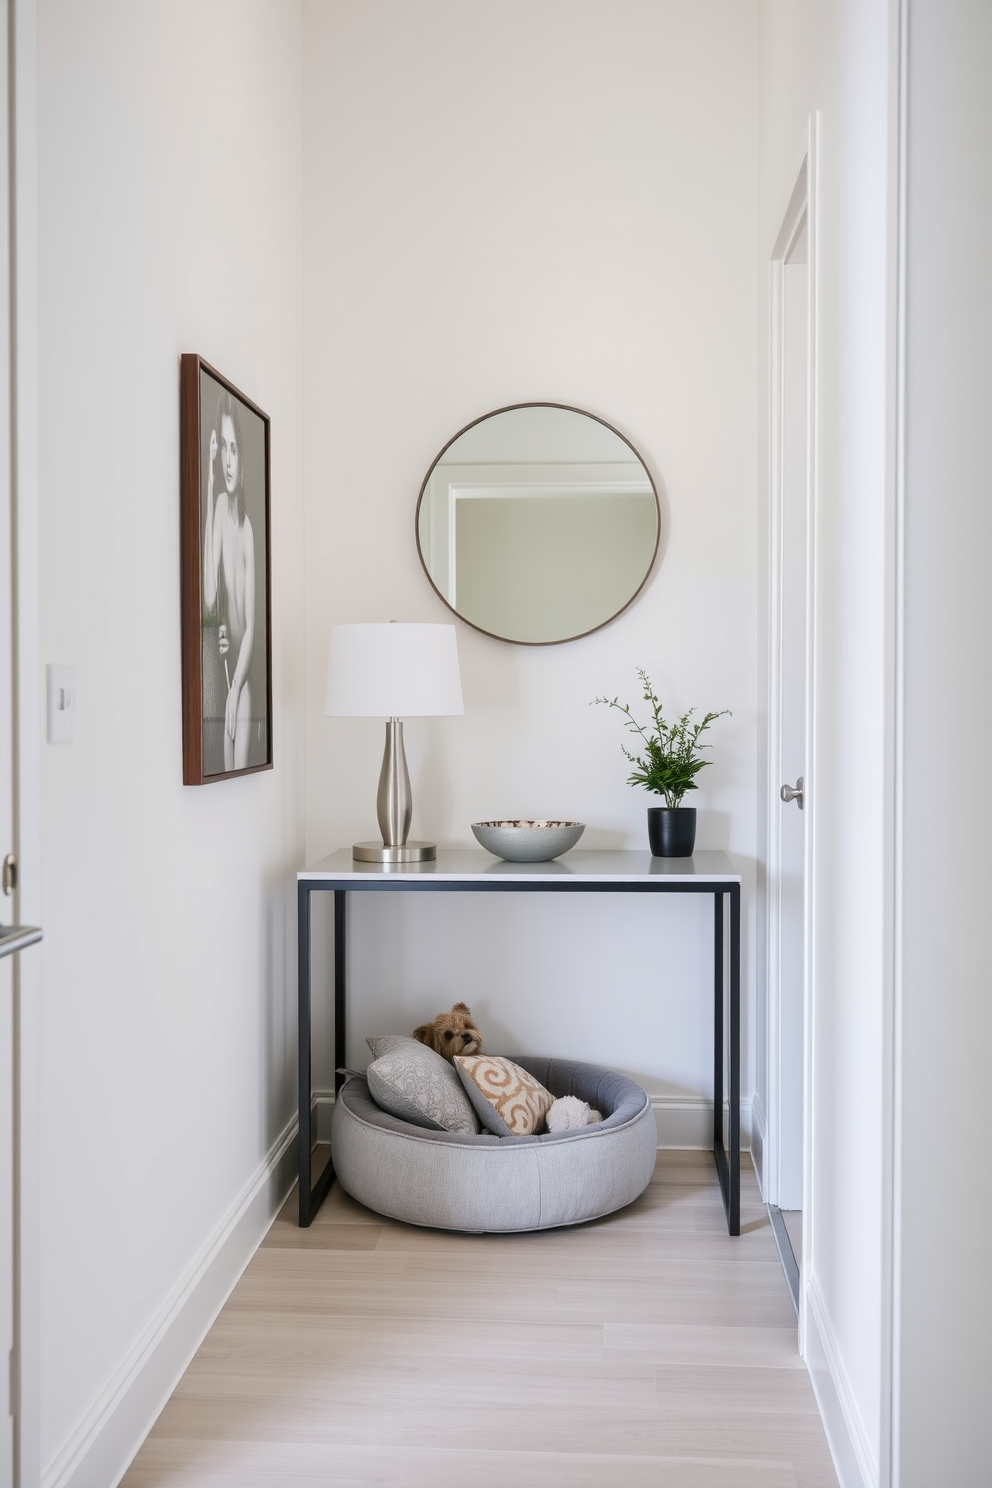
[(412, 1082)]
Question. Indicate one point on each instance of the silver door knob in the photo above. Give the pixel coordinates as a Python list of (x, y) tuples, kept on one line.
[(793, 793)]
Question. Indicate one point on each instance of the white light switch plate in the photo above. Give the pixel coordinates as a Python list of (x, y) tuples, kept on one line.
[(61, 704)]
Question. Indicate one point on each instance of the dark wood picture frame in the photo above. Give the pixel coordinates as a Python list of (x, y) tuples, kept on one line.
[(225, 562)]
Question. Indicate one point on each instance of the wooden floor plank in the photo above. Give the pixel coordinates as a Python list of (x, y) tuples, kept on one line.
[(168, 1464), (646, 1348)]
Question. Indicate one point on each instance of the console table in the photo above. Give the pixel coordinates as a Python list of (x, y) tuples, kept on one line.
[(470, 870)]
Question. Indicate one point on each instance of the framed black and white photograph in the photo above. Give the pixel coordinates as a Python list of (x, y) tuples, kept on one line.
[(226, 589)]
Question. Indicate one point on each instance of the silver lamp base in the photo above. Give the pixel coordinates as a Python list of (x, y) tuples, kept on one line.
[(378, 852), (394, 809)]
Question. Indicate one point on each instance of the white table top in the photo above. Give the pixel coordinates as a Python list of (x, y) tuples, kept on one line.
[(475, 865)]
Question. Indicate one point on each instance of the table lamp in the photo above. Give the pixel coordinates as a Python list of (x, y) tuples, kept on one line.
[(385, 671)]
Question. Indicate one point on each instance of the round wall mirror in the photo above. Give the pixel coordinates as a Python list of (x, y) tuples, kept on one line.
[(538, 523)]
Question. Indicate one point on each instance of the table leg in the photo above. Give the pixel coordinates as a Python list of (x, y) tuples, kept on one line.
[(311, 1196), (728, 1163), (718, 985), (734, 1207), (340, 990), (303, 975)]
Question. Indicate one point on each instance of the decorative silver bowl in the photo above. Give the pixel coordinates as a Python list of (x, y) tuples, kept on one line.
[(521, 841)]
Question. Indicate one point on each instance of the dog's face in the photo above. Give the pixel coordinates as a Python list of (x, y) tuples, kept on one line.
[(451, 1033)]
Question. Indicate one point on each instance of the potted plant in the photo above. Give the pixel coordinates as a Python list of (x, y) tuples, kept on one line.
[(668, 767)]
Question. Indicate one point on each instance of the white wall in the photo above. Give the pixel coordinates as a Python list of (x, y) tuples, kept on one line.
[(834, 62), (552, 201), (943, 1296), (170, 221)]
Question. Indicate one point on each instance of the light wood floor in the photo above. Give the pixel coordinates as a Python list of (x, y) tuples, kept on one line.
[(646, 1350)]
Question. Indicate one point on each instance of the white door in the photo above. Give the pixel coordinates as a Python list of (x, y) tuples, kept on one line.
[(8, 1084), (792, 722), (9, 1063), (791, 650), (19, 761)]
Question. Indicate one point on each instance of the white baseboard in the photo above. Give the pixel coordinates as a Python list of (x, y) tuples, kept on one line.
[(100, 1449), (758, 1128), (323, 1105), (849, 1446), (684, 1123)]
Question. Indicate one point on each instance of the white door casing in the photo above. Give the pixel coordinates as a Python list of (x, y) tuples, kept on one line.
[(20, 828), (8, 904)]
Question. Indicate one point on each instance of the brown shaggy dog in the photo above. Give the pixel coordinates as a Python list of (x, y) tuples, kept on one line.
[(451, 1033)]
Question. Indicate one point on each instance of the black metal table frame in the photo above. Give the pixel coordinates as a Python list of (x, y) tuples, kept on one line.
[(728, 1165)]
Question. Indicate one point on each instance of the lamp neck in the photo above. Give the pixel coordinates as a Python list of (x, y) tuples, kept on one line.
[(394, 802)]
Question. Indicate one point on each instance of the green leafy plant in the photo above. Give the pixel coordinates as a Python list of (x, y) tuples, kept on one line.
[(671, 759)]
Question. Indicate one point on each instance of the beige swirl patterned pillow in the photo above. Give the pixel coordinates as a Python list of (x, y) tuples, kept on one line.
[(507, 1100)]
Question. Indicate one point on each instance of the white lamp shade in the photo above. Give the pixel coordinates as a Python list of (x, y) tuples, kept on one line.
[(393, 671)]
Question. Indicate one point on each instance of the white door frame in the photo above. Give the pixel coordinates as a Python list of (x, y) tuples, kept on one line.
[(8, 905), (801, 205), (21, 20)]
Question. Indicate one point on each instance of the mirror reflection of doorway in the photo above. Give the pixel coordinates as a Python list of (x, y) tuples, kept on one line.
[(538, 523), (789, 780)]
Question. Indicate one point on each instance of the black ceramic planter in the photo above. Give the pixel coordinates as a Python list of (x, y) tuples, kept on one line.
[(672, 831)]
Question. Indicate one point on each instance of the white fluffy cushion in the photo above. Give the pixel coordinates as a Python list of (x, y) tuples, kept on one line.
[(506, 1099), (414, 1083), (568, 1112)]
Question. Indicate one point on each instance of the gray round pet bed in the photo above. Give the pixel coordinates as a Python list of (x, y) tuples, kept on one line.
[(484, 1183)]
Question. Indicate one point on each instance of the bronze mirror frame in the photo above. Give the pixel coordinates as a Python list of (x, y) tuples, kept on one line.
[(512, 408)]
